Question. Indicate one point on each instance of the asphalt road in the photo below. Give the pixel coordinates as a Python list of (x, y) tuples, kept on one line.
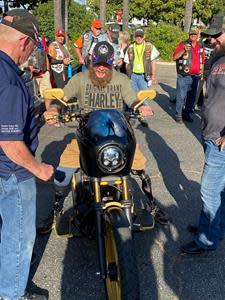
[(66, 268)]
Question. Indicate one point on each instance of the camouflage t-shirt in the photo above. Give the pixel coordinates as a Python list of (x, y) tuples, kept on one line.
[(117, 94)]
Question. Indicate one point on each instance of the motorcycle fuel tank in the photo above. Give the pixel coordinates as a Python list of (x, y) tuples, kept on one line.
[(107, 143)]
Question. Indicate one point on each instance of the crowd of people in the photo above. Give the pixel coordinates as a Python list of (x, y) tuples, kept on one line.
[(49, 62), (110, 64)]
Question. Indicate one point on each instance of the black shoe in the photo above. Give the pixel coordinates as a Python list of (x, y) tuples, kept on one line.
[(46, 226), (161, 217), (31, 296), (192, 248), (187, 118), (192, 229), (179, 120)]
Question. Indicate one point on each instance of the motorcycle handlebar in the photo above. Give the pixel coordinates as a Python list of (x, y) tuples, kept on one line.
[(73, 112)]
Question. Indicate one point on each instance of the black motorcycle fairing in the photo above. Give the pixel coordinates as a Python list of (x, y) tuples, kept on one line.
[(102, 128)]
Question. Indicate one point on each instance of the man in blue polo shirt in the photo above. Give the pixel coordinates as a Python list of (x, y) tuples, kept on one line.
[(18, 167)]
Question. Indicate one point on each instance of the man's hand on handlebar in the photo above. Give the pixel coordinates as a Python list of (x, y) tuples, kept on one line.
[(51, 116), (146, 111)]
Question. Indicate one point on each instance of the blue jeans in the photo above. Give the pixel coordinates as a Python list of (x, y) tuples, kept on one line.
[(17, 234), (212, 218), (84, 68), (186, 94), (138, 82)]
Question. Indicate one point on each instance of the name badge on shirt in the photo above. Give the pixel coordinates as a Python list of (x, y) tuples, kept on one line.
[(138, 67)]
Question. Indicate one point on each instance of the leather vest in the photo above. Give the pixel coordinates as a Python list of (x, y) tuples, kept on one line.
[(60, 54), (184, 63), (88, 40), (146, 60)]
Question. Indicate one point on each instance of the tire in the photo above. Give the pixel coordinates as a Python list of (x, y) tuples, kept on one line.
[(122, 282)]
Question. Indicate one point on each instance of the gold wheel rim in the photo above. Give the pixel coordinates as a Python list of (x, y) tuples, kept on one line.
[(113, 287)]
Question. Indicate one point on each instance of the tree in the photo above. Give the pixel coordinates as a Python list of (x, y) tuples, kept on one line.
[(58, 20), (125, 14), (188, 15), (45, 16), (157, 11), (103, 11), (205, 9)]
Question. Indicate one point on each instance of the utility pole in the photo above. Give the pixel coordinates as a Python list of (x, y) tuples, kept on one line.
[(58, 22), (103, 11), (125, 14), (188, 15)]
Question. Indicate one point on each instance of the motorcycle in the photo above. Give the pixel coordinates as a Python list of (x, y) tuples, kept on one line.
[(103, 204)]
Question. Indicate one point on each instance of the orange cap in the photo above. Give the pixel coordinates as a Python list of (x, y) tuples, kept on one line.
[(60, 31), (96, 24)]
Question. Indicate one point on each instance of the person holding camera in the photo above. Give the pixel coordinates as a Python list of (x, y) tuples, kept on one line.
[(189, 56)]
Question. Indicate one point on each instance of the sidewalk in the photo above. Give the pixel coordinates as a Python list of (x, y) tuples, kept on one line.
[(68, 268)]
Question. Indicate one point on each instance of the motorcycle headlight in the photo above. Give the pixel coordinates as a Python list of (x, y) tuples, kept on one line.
[(111, 159)]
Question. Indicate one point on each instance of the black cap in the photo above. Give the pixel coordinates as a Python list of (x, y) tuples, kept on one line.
[(103, 52), (139, 32), (217, 25), (115, 29), (22, 20)]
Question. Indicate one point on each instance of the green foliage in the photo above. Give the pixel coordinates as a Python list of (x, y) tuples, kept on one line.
[(112, 7), (165, 37), (79, 21), (171, 11), (45, 16), (205, 9)]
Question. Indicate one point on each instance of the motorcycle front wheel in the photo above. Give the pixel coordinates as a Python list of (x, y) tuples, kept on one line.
[(122, 282)]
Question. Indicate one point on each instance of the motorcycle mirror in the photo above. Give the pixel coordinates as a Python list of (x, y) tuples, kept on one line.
[(56, 93), (144, 95)]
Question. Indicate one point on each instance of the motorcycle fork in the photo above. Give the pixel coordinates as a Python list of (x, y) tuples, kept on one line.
[(99, 231), (125, 204)]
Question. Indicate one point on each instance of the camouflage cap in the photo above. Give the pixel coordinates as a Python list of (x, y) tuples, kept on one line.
[(217, 25), (193, 31)]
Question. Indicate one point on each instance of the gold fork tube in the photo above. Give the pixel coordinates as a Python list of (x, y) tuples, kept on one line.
[(97, 191)]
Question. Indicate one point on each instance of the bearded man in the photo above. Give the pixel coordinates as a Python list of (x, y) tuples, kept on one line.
[(211, 228), (101, 87)]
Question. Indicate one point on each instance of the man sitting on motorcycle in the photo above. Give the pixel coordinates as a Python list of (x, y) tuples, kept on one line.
[(100, 87)]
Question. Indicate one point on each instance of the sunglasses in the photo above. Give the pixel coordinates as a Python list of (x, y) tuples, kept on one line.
[(60, 31)]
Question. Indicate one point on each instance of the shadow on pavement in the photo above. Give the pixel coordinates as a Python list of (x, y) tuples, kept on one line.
[(44, 203), (164, 102), (185, 194)]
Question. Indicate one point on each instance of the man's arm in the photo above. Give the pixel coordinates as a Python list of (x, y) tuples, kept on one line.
[(153, 66), (18, 152), (77, 48), (79, 55), (71, 90), (180, 50)]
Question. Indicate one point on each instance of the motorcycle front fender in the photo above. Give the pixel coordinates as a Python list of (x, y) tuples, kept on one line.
[(117, 217)]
